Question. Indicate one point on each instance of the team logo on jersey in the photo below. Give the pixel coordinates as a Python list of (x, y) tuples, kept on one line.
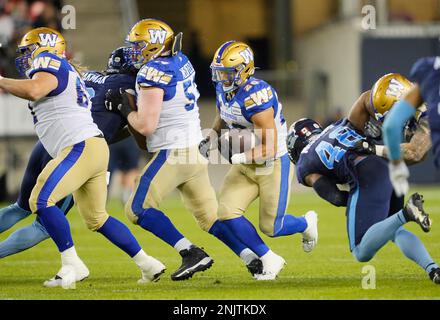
[(247, 55), (154, 75), (157, 36), (395, 89), (48, 39), (46, 63), (259, 98)]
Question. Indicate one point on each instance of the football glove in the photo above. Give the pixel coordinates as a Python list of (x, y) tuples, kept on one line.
[(365, 147), (373, 130), (205, 147), (399, 175), (117, 101)]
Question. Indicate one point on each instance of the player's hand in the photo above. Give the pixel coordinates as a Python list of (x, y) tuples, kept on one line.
[(113, 100), (365, 147), (373, 130), (399, 175), (118, 101), (205, 147)]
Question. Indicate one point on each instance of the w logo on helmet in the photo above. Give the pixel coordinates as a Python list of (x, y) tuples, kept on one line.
[(395, 89), (247, 55), (48, 39), (157, 36)]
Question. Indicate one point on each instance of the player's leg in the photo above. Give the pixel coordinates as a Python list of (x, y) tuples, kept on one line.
[(61, 176), (31, 235), (129, 167), (20, 210), (413, 249), (91, 201), (160, 177), (200, 199), (369, 228), (275, 184), (156, 181)]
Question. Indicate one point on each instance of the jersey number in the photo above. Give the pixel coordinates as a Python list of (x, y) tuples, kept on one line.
[(329, 154), (83, 98), (190, 89)]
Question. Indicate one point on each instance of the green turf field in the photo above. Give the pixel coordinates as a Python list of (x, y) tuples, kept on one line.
[(330, 272)]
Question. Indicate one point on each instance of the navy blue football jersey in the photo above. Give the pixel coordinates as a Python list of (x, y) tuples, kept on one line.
[(328, 154), (97, 85)]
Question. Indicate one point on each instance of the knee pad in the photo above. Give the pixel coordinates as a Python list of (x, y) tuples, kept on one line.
[(268, 230), (361, 255), (206, 221), (95, 223), (226, 213), (130, 214)]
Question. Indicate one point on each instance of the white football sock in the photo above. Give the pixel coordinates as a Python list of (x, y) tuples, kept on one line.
[(68, 256), (141, 258), (182, 244), (247, 255)]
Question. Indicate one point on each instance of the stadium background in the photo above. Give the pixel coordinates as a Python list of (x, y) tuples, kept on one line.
[(318, 57)]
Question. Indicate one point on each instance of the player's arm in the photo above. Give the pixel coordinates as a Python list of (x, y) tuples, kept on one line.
[(206, 145), (149, 105), (417, 149), (359, 114), (41, 84), (327, 189), (394, 123), (266, 132)]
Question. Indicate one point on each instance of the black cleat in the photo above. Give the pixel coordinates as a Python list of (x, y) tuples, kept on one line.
[(193, 260), (255, 267), (434, 275), (414, 211)]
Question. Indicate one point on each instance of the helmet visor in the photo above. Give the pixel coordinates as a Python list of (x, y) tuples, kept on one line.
[(24, 60)]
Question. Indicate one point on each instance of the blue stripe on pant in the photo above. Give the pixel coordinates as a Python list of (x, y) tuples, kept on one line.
[(145, 181), (284, 194), (369, 201), (57, 175)]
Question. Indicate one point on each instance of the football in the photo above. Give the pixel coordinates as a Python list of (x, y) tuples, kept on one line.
[(235, 141)]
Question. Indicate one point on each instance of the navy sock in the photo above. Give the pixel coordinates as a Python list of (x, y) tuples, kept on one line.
[(245, 231), (121, 236), (57, 227), (160, 225), (291, 225), (224, 234)]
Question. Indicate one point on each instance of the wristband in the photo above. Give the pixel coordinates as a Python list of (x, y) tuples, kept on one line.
[(380, 151)]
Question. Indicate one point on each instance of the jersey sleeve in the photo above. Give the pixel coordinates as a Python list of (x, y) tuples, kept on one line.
[(156, 74), (50, 63), (259, 96), (301, 172)]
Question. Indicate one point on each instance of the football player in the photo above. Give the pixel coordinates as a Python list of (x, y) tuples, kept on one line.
[(60, 106), (369, 111), (120, 73), (264, 171), (325, 158), (426, 75), (168, 116)]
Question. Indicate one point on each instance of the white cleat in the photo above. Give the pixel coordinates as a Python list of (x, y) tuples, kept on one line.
[(272, 266), (310, 235), (68, 275), (151, 270)]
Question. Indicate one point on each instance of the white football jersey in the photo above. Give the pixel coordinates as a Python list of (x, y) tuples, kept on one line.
[(63, 117), (179, 122), (250, 99)]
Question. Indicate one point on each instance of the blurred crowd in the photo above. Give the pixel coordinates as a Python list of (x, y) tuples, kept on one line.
[(19, 16)]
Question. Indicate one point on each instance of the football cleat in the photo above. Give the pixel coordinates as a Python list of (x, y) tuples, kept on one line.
[(151, 270), (255, 267), (414, 211), (310, 235), (194, 260), (272, 266), (434, 275), (68, 275)]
